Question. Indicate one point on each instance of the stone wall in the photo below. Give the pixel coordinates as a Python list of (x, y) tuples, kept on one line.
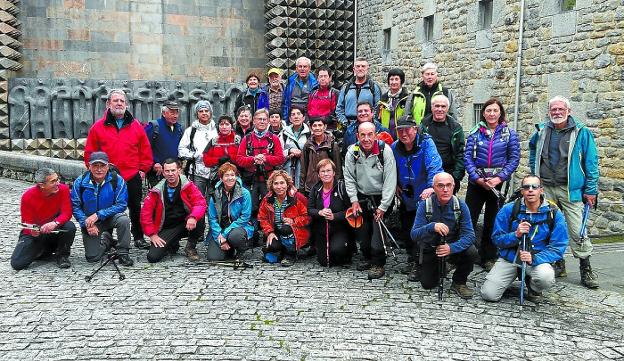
[(578, 54), (142, 39)]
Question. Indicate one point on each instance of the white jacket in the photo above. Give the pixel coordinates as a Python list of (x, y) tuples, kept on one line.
[(200, 139)]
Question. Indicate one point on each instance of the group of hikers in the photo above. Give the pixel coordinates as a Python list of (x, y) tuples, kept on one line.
[(306, 169)]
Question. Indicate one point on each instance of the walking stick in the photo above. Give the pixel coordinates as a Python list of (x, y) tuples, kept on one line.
[(523, 247)]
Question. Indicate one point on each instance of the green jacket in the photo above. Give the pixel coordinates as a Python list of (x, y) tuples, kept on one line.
[(385, 112)]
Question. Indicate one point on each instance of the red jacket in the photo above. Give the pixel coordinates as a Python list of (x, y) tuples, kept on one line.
[(153, 210), (224, 145), (296, 208), (322, 103), (274, 157), (128, 148), (38, 209)]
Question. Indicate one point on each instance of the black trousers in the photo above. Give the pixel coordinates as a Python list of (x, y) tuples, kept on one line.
[(338, 241), (430, 275), (476, 197), (30, 248), (172, 237), (369, 234), (276, 245), (135, 195), (237, 239), (407, 222)]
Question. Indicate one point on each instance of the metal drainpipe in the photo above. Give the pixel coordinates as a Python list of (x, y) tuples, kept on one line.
[(355, 28), (518, 70)]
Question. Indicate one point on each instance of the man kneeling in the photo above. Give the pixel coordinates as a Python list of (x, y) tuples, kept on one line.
[(99, 199), (546, 231), (442, 228), (173, 209)]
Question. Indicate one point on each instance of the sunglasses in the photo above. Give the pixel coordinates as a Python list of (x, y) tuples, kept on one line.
[(531, 186)]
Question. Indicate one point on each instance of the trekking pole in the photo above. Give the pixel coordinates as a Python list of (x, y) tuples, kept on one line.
[(585, 219), (327, 241), (523, 244), (383, 240), (389, 234), (441, 271)]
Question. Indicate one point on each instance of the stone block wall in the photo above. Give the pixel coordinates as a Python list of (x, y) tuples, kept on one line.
[(142, 39), (578, 54)]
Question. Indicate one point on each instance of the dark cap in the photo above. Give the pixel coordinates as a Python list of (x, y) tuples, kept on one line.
[(406, 122), (172, 105), (98, 157)]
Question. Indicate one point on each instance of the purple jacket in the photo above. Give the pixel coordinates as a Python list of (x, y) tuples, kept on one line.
[(502, 150)]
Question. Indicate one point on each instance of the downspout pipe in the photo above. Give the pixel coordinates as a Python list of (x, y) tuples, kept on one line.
[(518, 73), (355, 29)]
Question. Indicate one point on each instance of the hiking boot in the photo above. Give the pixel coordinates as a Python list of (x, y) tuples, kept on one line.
[(376, 272), (414, 275), (363, 266), (287, 261), (191, 254), (462, 291), (560, 269), (487, 265), (588, 277), (408, 268), (63, 262), (125, 260), (307, 251), (533, 296), (140, 243)]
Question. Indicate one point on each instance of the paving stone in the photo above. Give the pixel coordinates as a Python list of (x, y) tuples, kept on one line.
[(171, 311)]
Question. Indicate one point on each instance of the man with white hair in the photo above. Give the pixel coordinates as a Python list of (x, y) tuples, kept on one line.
[(419, 102), (562, 152), (123, 138), (164, 135), (360, 89), (448, 136), (298, 87)]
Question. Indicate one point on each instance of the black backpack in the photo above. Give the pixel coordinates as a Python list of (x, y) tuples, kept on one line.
[(114, 172)]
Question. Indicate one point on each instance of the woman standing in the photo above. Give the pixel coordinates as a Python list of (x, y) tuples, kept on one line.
[(327, 205), (254, 96), (321, 144), (220, 149), (283, 217), (295, 137), (492, 155), (193, 142), (229, 213)]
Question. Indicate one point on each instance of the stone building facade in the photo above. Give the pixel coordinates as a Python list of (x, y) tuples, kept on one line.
[(570, 48)]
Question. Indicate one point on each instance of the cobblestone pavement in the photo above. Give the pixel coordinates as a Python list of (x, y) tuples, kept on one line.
[(174, 311)]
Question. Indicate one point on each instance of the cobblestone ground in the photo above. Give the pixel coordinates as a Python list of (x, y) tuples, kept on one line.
[(176, 311)]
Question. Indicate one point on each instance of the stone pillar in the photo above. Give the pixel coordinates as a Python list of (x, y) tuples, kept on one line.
[(9, 61)]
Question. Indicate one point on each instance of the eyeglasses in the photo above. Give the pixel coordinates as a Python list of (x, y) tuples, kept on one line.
[(531, 186)]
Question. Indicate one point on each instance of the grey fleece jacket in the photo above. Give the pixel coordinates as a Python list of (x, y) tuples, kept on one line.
[(365, 174)]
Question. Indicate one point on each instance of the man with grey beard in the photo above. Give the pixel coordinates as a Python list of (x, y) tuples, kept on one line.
[(562, 152), (122, 137)]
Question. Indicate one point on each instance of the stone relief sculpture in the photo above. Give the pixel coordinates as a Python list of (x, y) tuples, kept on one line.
[(63, 110), (83, 103), (62, 126), (41, 111)]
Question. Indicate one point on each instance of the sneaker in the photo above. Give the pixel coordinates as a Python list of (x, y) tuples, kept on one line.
[(363, 266), (560, 268), (191, 254), (376, 272), (414, 275), (287, 261), (462, 291), (63, 262), (125, 260), (141, 243)]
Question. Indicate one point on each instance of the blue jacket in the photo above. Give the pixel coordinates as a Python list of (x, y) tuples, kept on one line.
[(350, 135), (240, 211), (583, 170), (346, 108), (165, 144), (312, 84), (103, 200), (485, 151), (416, 168), (544, 251), (423, 230)]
